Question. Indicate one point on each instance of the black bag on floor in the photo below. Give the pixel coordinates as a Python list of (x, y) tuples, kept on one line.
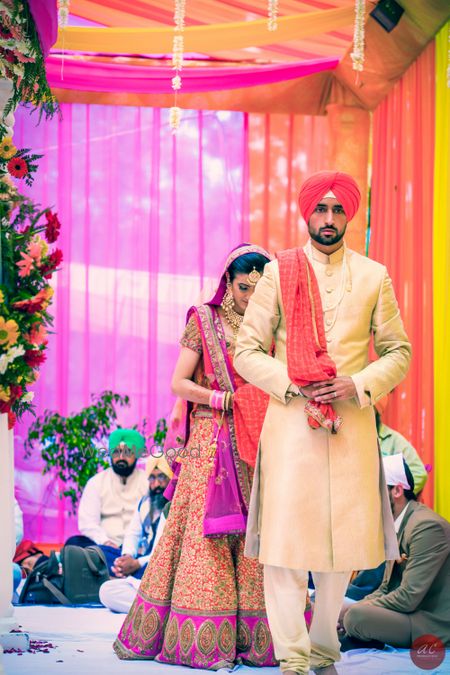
[(43, 586), (85, 570), (75, 582)]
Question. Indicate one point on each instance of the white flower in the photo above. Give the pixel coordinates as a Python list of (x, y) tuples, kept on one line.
[(3, 363), (14, 352), (29, 396)]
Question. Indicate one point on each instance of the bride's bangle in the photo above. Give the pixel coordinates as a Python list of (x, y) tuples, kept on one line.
[(216, 400)]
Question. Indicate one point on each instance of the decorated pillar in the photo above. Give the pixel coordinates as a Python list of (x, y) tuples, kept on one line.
[(349, 134), (7, 548)]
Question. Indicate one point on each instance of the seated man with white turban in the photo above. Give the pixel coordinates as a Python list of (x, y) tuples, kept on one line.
[(391, 443), (413, 599), (140, 540)]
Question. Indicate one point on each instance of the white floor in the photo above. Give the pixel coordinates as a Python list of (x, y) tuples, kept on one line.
[(83, 639)]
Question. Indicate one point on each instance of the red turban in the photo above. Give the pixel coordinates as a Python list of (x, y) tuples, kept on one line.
[(24, 550), (316, 187)]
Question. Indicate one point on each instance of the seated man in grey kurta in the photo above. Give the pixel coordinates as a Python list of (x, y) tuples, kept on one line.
[(414, 597)]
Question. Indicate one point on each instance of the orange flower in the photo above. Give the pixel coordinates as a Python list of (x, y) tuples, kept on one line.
[(37, 248), (37, 335), (25, 265), (9, 331)]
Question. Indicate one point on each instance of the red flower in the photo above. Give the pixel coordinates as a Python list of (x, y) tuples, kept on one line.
[(16, 392), (34, 358), (11, 419), (53, 227), (53, 262), (31, 306), (5, 406), (17, 167)]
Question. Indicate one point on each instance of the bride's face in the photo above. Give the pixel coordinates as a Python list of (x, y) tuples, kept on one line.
[(242, 292)]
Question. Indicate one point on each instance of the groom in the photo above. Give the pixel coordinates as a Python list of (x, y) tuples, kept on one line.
[(328, 510)]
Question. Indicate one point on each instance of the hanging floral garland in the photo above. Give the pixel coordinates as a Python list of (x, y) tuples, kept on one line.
[(63, 13), (21, 59), (177, 61), (26, 267), (357, 54), (272, 17)]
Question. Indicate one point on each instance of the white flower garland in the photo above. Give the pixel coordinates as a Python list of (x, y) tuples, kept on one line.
[(357, 54), (272, 17), (63, 13), (177, 61)]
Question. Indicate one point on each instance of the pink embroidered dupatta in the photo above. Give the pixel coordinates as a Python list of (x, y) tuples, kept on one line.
[(229, 486)]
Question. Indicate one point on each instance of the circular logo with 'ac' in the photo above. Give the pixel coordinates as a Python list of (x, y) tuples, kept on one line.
[(427, 652)]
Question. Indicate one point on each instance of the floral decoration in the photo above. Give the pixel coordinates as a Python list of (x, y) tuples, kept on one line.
[(27, 266), (21, 58)]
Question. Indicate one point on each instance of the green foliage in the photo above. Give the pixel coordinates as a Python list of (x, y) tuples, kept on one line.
[(160, 432), (75, 447), (22, 60)]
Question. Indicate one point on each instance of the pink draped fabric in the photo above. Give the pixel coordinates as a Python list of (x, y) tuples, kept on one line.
[(117, 77), (147, 219), (45, 15), (401, 238)]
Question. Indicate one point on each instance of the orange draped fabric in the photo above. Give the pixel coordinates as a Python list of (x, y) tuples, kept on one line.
[(283, 151), (401, 238)]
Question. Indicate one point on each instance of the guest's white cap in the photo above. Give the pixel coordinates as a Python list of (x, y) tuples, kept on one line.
[(394, 470)]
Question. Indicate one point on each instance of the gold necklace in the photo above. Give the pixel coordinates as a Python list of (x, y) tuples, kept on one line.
[(233, 318)]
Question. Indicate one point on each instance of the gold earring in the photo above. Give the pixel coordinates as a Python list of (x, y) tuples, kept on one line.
[(233, 318), (228, 300)]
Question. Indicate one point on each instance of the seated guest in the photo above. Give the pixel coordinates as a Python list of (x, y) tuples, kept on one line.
[(392, 443), (414, 596), (27, 555), (140, 533), (110, 497), (118, 594)]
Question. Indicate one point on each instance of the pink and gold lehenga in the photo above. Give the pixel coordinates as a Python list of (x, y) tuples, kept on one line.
[(201, 602)]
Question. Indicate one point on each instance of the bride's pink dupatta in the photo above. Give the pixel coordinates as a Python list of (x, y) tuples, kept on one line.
[(228, 487)]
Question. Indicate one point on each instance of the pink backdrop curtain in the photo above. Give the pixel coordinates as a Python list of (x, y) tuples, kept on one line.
[(147, 218), (401, 238)]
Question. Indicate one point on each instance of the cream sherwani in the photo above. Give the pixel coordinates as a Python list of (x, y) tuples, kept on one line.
[(319, 501)]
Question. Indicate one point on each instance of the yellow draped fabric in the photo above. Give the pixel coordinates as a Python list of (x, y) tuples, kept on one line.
[(441, 277), (204, 39)]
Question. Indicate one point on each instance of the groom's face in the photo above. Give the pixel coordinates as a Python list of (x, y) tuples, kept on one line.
[(328, 222)]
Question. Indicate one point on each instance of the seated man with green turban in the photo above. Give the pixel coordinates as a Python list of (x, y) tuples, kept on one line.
[(110, 497)]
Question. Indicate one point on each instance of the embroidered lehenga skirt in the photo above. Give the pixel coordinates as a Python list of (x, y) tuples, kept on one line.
[(201, 601)]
